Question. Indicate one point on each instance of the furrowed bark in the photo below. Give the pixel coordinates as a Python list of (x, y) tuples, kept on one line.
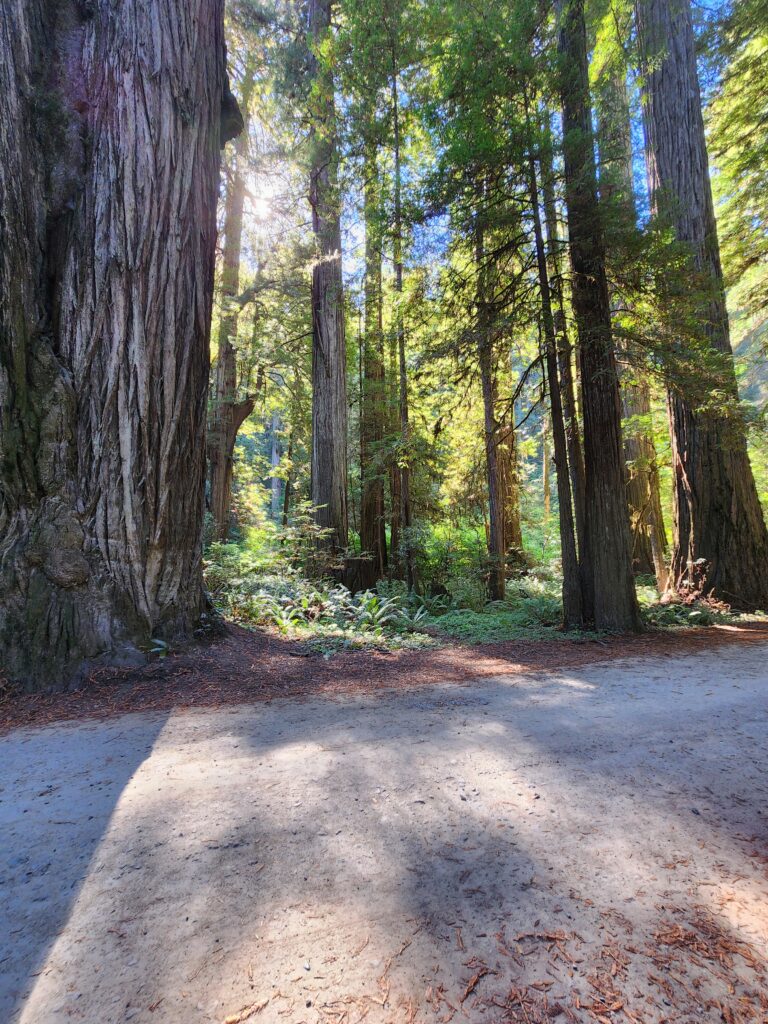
[(329, 357), (607, 521), (107, 233), (720, 538)]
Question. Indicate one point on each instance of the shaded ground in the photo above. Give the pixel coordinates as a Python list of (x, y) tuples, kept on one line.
[(246, 666), (584, 843)]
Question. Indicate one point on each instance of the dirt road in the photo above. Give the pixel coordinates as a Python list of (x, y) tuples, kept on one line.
[(589, 844)]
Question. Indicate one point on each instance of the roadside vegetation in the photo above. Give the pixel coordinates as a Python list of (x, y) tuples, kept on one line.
[(268, 580)]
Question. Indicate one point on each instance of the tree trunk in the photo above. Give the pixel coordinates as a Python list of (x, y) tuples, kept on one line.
[(107, 235), (565, 370), (373, 404), (405, 428), (288, 485), (546, 486), (509, 484), (329, 357), (496, 538), (607, 522), (649, 542), (276, 484), (395, 560), (227, 414), (572, 598), (720, 542)]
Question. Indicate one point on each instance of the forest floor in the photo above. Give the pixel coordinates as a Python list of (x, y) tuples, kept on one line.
[(580, 840)]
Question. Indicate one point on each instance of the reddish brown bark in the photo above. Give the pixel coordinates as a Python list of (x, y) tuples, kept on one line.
[(107, 233), (607, 521), (720, 543)]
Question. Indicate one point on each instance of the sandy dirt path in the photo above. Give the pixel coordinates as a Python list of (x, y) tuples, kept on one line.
[(588, 844)]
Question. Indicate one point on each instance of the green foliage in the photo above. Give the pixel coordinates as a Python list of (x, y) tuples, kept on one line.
[(679, 614), (264, 589), (738, 137), (468, 592), (477, 95), (531, 609)]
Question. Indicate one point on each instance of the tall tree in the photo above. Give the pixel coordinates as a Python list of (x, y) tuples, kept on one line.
[(107, 235), (572, 595), (484, 330), (607, 521), (720, 542), (609, 69), (373, 406), (565, 359), (227, 412), (329, 357), (399, 316)]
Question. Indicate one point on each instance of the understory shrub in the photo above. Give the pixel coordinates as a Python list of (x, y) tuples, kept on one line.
[(263, 586), (274, 594)]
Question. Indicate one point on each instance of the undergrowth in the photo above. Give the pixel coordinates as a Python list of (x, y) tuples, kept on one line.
[(323, 615), (265, 588)]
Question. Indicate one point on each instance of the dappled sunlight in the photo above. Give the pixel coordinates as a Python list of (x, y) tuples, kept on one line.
[(369, 854)]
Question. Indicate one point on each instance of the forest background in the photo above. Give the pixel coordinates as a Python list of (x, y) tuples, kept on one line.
[(432, 112)]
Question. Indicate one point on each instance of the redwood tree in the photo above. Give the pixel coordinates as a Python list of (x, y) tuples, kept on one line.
[(227, 413), (373, 405), (649, 543), (329, 359), (107, 233), (485, 338), (720, 539), (572, 592), (607, 520)]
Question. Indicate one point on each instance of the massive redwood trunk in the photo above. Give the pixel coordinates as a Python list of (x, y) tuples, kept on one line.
[(720, 543), (607, 521), (329, 358), (109, 158), (227, 412)]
